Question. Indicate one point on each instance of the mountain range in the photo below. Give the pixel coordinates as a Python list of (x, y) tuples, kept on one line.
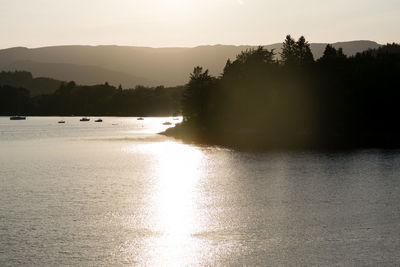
[(131, 66)]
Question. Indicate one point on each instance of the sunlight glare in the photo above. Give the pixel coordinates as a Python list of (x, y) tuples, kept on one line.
[(178, 173), (176, 5)]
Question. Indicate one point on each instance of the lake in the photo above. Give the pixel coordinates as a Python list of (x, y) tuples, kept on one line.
[(116, 193)]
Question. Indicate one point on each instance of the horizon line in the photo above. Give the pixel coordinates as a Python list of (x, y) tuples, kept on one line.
[(178, 47)]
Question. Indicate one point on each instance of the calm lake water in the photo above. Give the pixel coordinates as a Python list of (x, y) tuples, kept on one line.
[(116, 193)]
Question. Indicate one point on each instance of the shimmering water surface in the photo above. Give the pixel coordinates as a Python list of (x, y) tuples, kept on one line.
[(116, 193)]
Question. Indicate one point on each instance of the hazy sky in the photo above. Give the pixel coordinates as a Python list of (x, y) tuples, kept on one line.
[(159, 23)]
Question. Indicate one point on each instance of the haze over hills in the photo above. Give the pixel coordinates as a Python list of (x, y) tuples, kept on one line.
[(133, 66)]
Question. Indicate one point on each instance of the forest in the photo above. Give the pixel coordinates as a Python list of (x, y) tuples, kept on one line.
[(102, 100), (262, 102)]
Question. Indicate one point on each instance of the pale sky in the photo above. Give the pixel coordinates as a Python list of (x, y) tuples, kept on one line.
[(188, 23)]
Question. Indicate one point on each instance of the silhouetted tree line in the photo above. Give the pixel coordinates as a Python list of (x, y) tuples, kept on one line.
[(263, 102), (14, 100), (104, 99)]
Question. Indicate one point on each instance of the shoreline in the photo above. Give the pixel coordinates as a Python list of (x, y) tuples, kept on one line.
[(241, 142)]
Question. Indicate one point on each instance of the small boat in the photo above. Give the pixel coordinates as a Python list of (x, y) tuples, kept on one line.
[(17, 118), (61, 121), (167, 123), (98, 120), (140, 119), (84, 119), (175, 119)]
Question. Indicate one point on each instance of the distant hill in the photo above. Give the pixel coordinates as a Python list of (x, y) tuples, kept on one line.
[(81, 74), (131, 65), (23, 79)]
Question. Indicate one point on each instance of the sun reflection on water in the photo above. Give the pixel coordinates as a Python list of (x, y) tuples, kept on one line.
[(178, 171)]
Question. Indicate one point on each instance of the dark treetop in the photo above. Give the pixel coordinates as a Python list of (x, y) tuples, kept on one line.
[(296, 102)]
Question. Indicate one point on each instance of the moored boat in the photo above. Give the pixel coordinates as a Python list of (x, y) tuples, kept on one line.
[(98, 120), (84, 119), (17, 118)]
